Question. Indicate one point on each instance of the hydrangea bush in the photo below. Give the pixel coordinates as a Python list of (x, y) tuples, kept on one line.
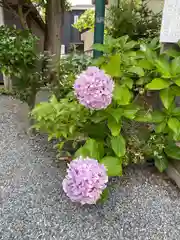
[(110, 97)]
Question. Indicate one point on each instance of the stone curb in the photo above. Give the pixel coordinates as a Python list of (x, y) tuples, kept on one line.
[(174, 172)]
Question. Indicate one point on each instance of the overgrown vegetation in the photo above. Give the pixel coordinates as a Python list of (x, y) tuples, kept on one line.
[(86, 21), (69, 67), (131, 129), (132, 18), (138, 120), (4, 91), (20, 61)]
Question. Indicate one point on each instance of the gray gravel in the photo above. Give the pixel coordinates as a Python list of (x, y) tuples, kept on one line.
[(143, 205)]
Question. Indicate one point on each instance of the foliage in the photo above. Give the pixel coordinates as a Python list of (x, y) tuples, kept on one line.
[(132, 18), (40, 4), (4, 91), (62, 120), (132, 128), (69, 66), (86, 21), (19, 60), (135, 20)]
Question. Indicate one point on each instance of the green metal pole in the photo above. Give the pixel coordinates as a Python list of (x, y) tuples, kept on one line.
[(99, 25)]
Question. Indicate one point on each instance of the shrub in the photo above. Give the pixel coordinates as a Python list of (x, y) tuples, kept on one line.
[(62, 119), (4, 91), (20, 61), (127, 130), (135, 20), (69, 67), (86, 21), (132, 18)]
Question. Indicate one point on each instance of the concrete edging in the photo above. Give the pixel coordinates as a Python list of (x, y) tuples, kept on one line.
[(174, 172)]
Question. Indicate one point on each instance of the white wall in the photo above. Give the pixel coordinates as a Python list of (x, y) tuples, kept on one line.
[(156, 5), (80, 2)]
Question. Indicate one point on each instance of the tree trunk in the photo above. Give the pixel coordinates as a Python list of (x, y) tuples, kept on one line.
[(53, 39), (7, 82), (22, 17)]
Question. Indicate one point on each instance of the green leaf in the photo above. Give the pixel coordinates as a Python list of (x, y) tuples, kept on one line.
[(91, 148), (96, 131), (174, 125), (82, 152), (175, 137), (141, 81), (113, 165), (172, 52), (130, 54), (114, 126), (116, 113), (172, 151), (90, 145), (167, 97), (138, 70), (148, 52), (122, 95), (113, 66), (157, 116), (100, 47), (118, 145), (130, 112), (143, 116), (130, 45), (163, 66), (176, 111), (177, 82), (104, 195), (127, 82), (98, 117), (72, 129), (145, 64), (175, 66), (60, 145), (158, 84), (175, 90), (95, 149), (161, 163), (160, 127), (53, 100), (98, 61)]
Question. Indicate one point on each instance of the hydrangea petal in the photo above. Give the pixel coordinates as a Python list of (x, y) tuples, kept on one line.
[(93, 88), (85, 180)]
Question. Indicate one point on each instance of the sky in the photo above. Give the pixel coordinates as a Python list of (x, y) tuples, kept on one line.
[(80, 2)]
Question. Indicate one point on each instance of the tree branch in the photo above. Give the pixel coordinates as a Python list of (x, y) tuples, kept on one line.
[(22, 17), (6, 5), (31, 8)]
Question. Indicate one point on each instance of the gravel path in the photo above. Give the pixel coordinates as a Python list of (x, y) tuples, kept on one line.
[(144, 205)]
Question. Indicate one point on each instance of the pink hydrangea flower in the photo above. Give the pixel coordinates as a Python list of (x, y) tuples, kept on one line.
[(85, 180), (94, 88)]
